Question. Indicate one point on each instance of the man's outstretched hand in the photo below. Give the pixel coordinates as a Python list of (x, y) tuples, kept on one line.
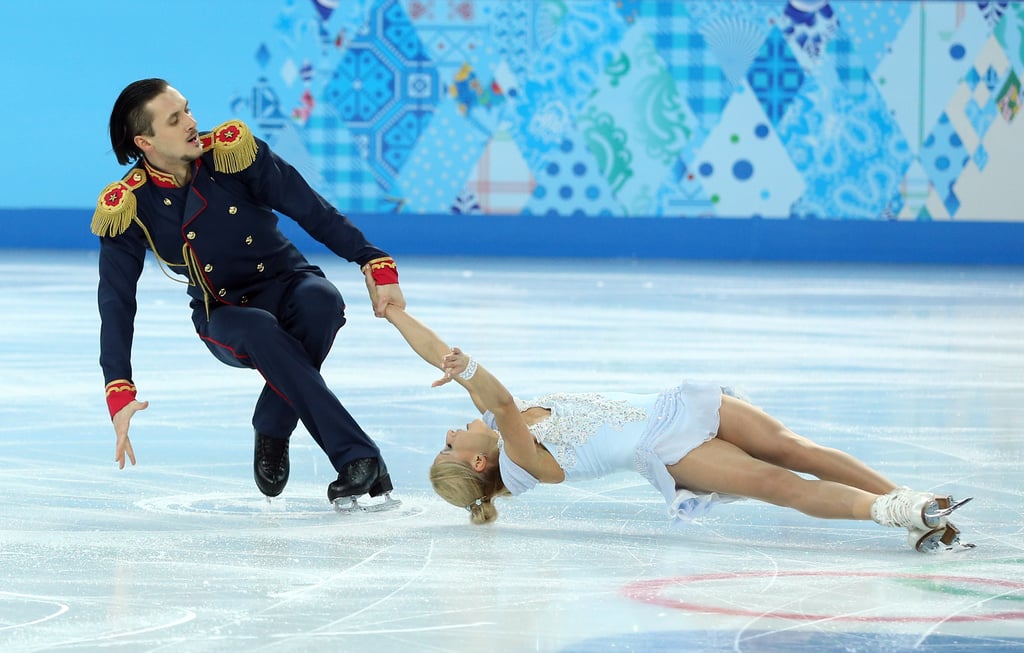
[(121, 422)]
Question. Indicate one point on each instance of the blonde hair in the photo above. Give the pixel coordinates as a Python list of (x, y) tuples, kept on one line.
[(462, 486)]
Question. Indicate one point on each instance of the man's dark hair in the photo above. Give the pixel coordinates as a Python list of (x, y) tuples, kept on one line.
[(129, 118)]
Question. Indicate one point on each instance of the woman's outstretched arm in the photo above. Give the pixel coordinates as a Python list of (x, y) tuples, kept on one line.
[(520, 445), (485, 389), (487, 392), (427, 344)]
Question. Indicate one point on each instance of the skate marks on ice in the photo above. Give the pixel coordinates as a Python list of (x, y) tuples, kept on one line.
[(914, 369), (203, 569), (852, 596), (830, 611), (286, 508), (34, 609), (217, 571), (68, 619)]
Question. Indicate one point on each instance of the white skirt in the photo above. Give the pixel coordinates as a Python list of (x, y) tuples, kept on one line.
[(684, 418)]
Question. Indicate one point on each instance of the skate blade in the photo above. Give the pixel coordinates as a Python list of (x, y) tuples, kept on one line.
[(944, 506), (351, 505), (942, 539)]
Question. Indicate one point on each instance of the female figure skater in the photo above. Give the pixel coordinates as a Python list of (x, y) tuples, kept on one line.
[(695, 443)]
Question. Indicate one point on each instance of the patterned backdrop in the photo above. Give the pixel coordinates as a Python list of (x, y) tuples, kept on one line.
[(853, 110)]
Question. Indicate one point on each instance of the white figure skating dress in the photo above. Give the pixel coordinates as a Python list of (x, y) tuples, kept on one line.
[(591, 435)]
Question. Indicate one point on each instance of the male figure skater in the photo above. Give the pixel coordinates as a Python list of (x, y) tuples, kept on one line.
[(204, 203)]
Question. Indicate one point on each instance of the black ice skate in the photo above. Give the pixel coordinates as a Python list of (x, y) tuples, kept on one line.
[(359, 477), (270, 465)]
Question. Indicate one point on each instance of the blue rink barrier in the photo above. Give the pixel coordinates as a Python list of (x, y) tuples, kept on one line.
[(794, 641), (744, 239)]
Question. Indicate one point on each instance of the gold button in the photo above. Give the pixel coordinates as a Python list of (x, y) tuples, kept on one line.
[(137, 176), (167, 201), (232, 210), (259, 268), (222, 292), (191, 235), (248, 240), (208, 267), (244, 300)]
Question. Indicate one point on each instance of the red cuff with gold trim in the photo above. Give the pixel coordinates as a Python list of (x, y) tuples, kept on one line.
[(120, 393), (383, 271)]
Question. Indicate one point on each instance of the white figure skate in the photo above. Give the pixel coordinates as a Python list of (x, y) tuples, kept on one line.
[(924, 517), (945, 537)]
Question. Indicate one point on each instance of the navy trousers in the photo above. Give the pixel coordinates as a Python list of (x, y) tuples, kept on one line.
[(285, 333)]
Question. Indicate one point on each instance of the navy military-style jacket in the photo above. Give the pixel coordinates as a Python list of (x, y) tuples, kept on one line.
[(220, 232)]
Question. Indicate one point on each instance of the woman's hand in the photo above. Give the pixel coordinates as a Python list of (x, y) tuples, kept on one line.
[(454, 362)]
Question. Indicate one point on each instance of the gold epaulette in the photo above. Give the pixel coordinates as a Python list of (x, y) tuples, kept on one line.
[(233, 144), (116, 206)]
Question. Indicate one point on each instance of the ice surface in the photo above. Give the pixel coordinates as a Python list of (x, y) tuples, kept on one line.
[(918, 370)]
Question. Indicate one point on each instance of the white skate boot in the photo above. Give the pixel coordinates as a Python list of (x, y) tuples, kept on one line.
[(924, 517)]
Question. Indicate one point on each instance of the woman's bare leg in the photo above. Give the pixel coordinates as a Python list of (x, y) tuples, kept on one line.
[(766, 438), (720, 466)]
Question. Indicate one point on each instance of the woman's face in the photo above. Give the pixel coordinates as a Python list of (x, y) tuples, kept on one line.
[(464, 445)]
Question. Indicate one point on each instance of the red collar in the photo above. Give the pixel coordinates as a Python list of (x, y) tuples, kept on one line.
[(162, 179)]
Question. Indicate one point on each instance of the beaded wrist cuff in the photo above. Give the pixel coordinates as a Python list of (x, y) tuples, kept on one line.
[(470, 370)]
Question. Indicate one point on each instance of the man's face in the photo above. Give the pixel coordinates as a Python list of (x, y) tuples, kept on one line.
[(175, 139)]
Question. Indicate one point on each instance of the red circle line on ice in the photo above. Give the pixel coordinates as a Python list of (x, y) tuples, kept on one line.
[(651, 591)]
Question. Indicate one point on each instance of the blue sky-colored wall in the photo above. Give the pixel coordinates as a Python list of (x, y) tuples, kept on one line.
[(866, 111), (64, 62)]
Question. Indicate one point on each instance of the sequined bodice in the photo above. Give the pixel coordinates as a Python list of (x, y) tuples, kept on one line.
[(594, 435), (576, 418)]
